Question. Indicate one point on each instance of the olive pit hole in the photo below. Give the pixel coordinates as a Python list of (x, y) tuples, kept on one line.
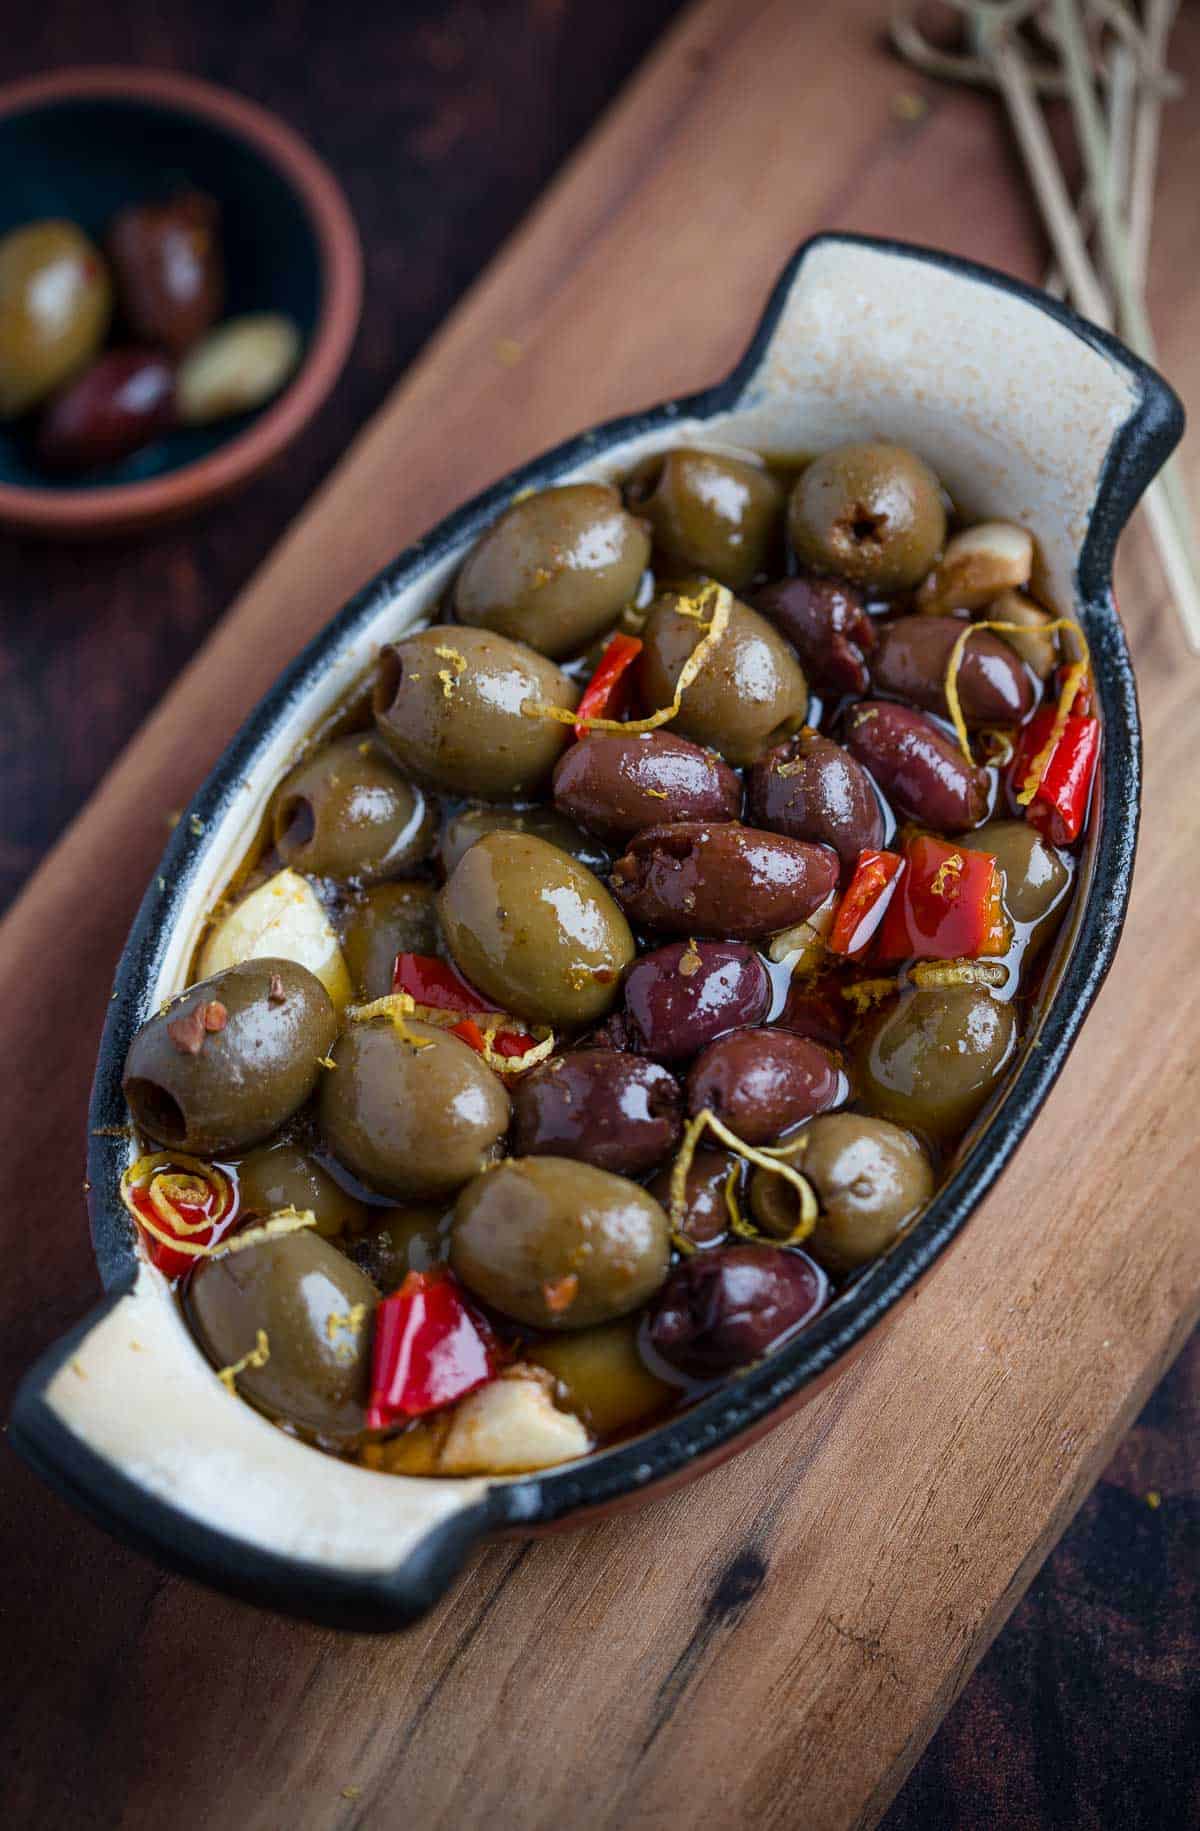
[(641, 486), (156, 1111), (295, 824)]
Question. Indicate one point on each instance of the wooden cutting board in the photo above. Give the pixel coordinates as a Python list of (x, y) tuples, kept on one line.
[(775, 1644)]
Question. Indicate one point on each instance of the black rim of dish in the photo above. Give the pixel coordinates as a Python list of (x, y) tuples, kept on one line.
[(389, 1599)]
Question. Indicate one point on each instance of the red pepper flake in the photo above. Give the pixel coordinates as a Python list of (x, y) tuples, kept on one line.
[(558, 1294), (215, 1015), (188, 1032), (275, 992)]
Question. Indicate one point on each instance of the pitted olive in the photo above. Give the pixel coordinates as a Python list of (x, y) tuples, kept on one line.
[(872, 513), (871, 1179), (708, 512), (348, 812)]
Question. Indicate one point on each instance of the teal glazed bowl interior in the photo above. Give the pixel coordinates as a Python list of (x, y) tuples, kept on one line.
[(82, 145)]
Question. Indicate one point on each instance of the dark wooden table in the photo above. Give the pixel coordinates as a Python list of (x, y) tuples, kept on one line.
[(444, 122)]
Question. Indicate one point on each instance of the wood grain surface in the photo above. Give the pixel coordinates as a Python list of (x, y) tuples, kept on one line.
[(774, 1645)]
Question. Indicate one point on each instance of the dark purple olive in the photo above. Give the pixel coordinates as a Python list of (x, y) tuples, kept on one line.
[(826, 622), (810, 788), (699, 879), (126, 399), (166, 260), (817, 1009), (914, 653), (705, 1215), (920, 769), (719, 1310), (762, 1082), (616, 786), (678, 998), (619, 1112)]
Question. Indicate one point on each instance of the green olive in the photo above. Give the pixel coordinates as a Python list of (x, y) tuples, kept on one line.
[(468, 824), (601, 1376), (708, 513), (872, 513), (315, 1310), (871, 1179), (55, 303), (348, 812), (750, 692), (535, 930), (1035, 876), (231, 1059), (451, 707), (555, 569), (403, 1240), (282, 1175), (559, 1244), (409, 1109), (931, 1060), (387, 920)]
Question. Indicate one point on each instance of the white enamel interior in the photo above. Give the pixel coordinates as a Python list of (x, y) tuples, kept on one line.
[(1014, 412)]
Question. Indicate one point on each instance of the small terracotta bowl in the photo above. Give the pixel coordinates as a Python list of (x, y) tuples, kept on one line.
[(80, 144)]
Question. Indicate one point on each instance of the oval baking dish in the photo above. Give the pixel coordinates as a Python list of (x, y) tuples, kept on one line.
[(1027, 413)]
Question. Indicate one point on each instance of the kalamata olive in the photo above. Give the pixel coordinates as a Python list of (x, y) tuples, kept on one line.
[(826, 622), (467, 824), (920, 769), (237, 367), (55, 303), (911, 662), (124, 401), (559, 1244), (929, 1061), (602, 1377), (810, 788), (403, 1240), (697, 879), (231, 1059), (619, 1112), (283, 1175), (166, 261), (387, 920), (1035, 876), (1031, 640), (347, 812), (871, 1180), (709, 513), (705, 1208), (316, 1310), (535, 931), (412, 1111), (617, 785), (762, 1082), (448, 705), (555, 569), (873, 513), (722, 1309), (749, 693), (679, 997)]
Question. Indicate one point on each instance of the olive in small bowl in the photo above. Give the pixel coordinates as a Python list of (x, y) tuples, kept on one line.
[(451, 705), (168, 268), (230, 1060), (410, 1110), (558, 1244), (722, 1309), (123, 401), (535, 930), (872, 513), (347, 812), (932, 1059), (708, 512), (555, 570), (750, 691), (315, 1310), (55, 304)]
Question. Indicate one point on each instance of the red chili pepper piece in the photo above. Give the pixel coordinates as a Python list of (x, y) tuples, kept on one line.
[(1059, 807), (947, 906), (469, 1032), (430, 981), (865, 901), (176, 1264), (430, 1349), (607, 691)]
